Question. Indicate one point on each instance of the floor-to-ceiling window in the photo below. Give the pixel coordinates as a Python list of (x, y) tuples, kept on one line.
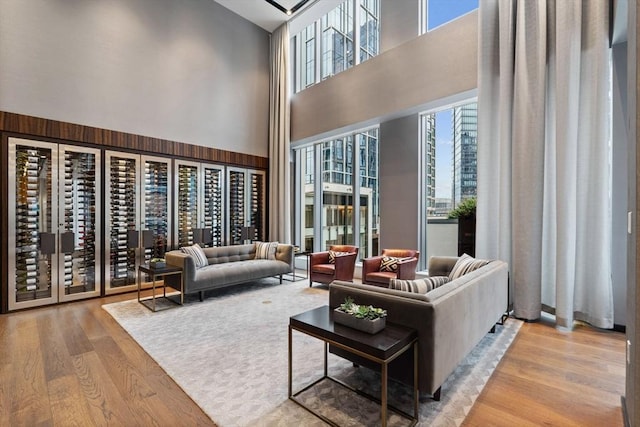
[(339, 187), (449, 175), (328, 46)]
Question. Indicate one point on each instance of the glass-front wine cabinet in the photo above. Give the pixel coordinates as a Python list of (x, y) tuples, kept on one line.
[(199, 204), (137, 191), (246, 194), (54, 223)]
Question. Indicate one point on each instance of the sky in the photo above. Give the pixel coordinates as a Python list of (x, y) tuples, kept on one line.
[(438, 13)]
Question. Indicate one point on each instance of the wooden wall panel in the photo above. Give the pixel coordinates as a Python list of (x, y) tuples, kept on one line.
[(35, 126)]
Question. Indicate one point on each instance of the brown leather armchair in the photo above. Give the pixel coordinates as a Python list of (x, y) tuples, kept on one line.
[(406, 265), (321, 270)]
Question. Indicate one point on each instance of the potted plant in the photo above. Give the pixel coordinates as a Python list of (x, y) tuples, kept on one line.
[(157, 263), (364, 318), (465, 212)]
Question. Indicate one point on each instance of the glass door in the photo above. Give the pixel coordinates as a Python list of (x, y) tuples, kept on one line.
[(137, 205), (156, 221), (246, 197), (213, 205), (33, 267), (54, 201), (200, 204), (123, 216), (80, 214)]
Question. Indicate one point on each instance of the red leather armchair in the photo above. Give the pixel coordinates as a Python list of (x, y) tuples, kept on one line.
[(406, 264), (321, 270)]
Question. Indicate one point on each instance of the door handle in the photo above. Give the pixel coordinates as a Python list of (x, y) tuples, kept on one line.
[(67, 242)]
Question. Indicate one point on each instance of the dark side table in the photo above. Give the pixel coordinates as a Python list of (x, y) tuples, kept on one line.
[(381, 348), (156, 273)]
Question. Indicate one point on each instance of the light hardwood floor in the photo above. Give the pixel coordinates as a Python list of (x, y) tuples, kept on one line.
[(72, 364)]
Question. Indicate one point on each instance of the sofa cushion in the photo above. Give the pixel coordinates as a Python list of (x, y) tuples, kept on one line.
[(389, 263), (195, 251), (418, 286), (266, 250), (466, 264), (334, 254)]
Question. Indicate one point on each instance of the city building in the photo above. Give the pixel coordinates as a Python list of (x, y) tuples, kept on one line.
[(465, 148)]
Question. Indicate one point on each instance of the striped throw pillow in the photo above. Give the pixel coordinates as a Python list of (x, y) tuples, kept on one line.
[(389, 263), (466, 264), (418, 286), (266, 250), (334, 254), (196, 252)]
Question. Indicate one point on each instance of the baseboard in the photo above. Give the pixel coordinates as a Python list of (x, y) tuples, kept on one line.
[(620, 328), (625, 415)]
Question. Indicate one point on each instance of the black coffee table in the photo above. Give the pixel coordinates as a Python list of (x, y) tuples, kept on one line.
[(381, 348)]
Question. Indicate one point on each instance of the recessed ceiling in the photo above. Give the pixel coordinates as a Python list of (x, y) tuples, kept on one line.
[(266, 14)]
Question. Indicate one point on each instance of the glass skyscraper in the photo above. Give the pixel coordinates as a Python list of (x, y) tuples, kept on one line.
[(465, 161)]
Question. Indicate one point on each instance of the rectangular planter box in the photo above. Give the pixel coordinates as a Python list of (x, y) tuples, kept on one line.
[(364, 325)]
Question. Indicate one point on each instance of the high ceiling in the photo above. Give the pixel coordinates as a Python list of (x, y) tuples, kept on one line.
[(267, 14), (264, 14)]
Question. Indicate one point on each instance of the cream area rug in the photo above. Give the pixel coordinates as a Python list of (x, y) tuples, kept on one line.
[(229, 353)]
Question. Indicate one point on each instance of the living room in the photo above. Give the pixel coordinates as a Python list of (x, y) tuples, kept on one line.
[(156, 77)]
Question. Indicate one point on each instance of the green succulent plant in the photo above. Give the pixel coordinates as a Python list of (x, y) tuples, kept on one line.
[(362, 311)]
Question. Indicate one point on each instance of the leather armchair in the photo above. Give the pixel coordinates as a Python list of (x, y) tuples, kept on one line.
[(406, 267), (323, 271)]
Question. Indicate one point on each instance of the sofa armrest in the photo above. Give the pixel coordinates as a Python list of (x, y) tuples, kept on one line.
[(441, 265), (284, 252), (407, 268), (319, 258), (370, 265), (345, 265), (185, 262)]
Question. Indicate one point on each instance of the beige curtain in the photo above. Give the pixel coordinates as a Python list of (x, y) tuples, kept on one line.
[(279, 150), (544, 174)]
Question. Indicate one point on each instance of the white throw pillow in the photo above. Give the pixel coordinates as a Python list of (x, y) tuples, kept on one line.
[(197, 253)]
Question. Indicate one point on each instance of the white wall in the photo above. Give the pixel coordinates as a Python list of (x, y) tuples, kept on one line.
[(188, 71)]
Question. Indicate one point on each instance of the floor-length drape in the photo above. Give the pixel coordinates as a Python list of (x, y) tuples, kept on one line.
[(543, 155), (279, 149)]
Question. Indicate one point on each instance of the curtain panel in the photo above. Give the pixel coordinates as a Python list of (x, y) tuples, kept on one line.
[(279, 138), (544, 174)]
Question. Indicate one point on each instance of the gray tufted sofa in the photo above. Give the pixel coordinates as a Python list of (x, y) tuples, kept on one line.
[(450, 319), (228, 265)]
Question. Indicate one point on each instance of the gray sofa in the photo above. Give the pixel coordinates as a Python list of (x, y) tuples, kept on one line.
[(450, 319), (228, 265)]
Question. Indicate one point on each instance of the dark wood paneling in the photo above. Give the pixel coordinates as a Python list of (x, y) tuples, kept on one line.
[(39, 127)]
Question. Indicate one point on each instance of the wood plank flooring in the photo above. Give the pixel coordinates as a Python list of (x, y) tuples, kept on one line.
[(72, 364), (554, 378)]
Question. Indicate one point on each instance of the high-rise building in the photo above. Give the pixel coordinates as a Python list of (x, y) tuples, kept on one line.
[(429, 138), (465, 160)]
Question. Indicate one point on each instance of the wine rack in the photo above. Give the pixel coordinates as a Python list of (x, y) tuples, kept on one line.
[(156, 209), (200, 204), (187, 203), (213, 204), (123, 218), (53, 197), (246, 195)]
